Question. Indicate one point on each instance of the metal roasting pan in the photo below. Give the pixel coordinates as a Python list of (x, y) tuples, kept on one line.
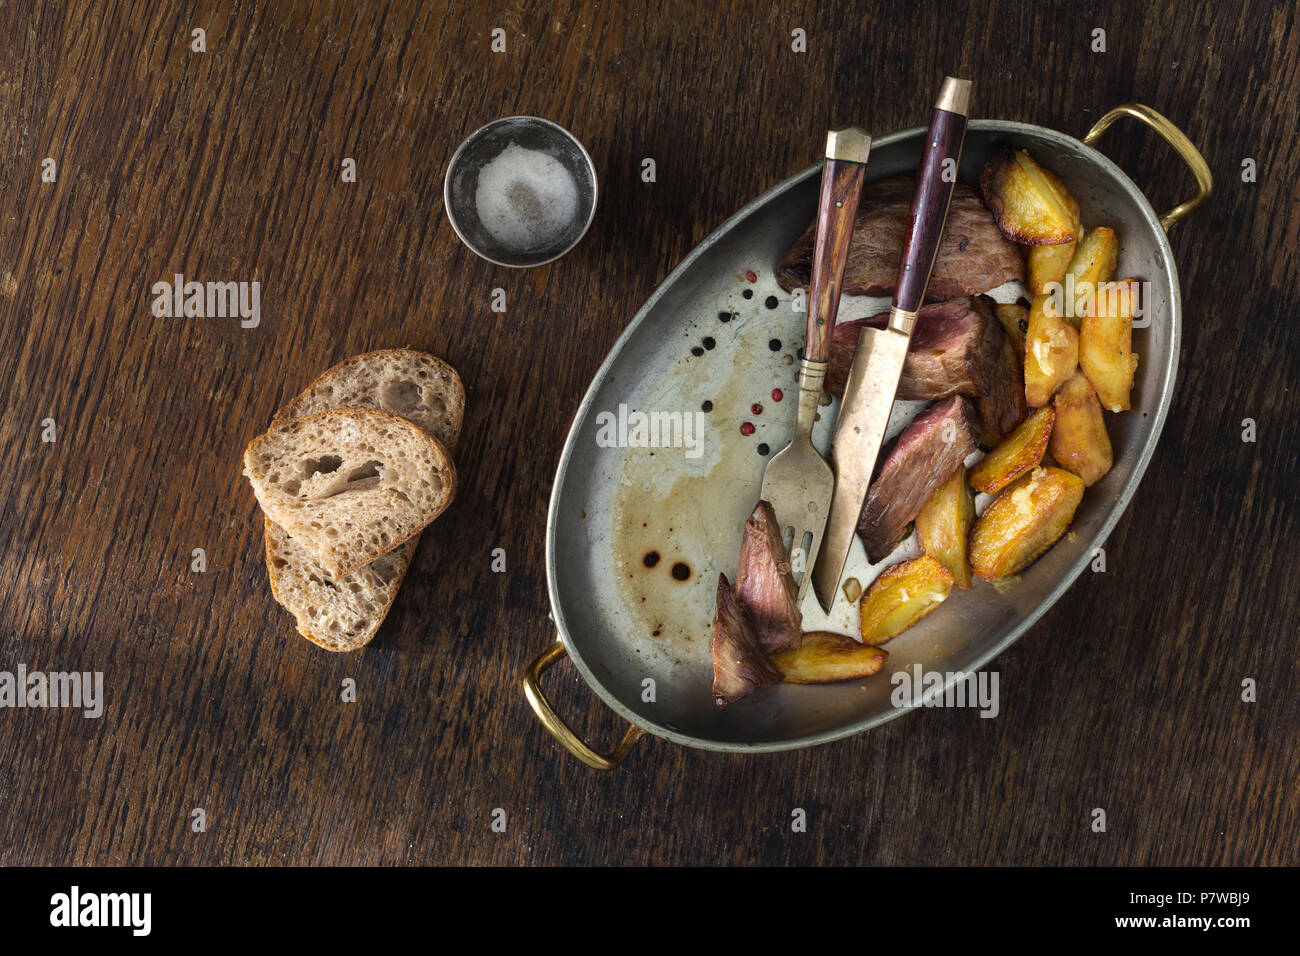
[(638, 634)]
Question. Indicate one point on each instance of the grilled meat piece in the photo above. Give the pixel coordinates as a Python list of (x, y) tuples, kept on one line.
[(765, 585), (921, 458), (958, 348), (1002, 407), (973, 256), (739, 662)]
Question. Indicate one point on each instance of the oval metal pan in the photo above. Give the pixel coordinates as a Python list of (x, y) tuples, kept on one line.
[(636, 632)]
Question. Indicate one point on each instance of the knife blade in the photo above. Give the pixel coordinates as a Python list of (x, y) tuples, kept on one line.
[(878, 361)]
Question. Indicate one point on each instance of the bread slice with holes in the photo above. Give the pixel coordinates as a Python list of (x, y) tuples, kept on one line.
[(344, 615), (349, 484), (415, 385), (338, 615)]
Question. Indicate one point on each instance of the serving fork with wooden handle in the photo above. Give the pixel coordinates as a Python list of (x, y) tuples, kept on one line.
[(798, 483)]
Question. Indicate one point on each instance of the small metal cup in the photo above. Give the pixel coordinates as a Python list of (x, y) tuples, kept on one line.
[(460, 189)]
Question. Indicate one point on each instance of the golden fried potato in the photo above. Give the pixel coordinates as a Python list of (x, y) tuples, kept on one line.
[(1015, 320), (1106, 344), (824, 657), (901, 596), (1051, 352), (1029, 203), (1093, 264), (1023, 522), (1048, 264), (1079, 440), (1021, 451), (944, 526)]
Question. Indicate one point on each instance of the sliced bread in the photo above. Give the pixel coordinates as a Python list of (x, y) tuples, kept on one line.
[(338, 615), (344, 615), (349, 484), (415, 385)]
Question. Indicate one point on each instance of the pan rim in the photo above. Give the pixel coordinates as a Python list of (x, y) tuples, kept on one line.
[(1067, 580)]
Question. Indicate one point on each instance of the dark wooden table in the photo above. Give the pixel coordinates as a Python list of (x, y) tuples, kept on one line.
[(226, 164)]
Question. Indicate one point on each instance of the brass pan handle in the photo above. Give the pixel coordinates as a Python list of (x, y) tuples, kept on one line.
[(559, 730), (1176, 138)]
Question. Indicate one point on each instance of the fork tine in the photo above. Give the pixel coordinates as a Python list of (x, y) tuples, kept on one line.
[(793, 538)]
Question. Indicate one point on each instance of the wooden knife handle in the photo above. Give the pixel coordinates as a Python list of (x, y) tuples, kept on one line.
[(846, 163), (935, 180)]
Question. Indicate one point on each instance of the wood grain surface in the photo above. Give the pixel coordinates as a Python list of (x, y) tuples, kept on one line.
[(226, 165)]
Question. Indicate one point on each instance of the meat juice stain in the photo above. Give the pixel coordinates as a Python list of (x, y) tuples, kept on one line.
[(665, 613)]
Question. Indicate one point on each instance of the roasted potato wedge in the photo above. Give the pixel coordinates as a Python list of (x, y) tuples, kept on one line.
[(1051, 352), (824, 657), (1048, 264), (1021, 452), (901, 596), (1023, 522), (1079, 440), (1015, 320), (1106, 344), (1093, 264), (1029, 203), (944, 526)]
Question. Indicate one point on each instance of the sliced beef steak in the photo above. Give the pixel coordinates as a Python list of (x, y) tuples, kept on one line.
[(958, 348), (973, 256), (1002, 407), (765, 585), (739, 662), (923, 457)]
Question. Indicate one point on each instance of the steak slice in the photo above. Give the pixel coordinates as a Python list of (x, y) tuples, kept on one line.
[(765, 585), (958, 348), (739, 663), (1002, 407), (924, 456), (973, 255)]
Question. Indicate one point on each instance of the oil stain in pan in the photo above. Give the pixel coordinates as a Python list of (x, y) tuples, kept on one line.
[(673, 521)]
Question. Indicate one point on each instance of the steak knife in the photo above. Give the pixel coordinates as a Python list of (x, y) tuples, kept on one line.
[(878, 362)]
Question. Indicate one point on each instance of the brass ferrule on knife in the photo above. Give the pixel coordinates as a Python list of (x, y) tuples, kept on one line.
[(901, 320)]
